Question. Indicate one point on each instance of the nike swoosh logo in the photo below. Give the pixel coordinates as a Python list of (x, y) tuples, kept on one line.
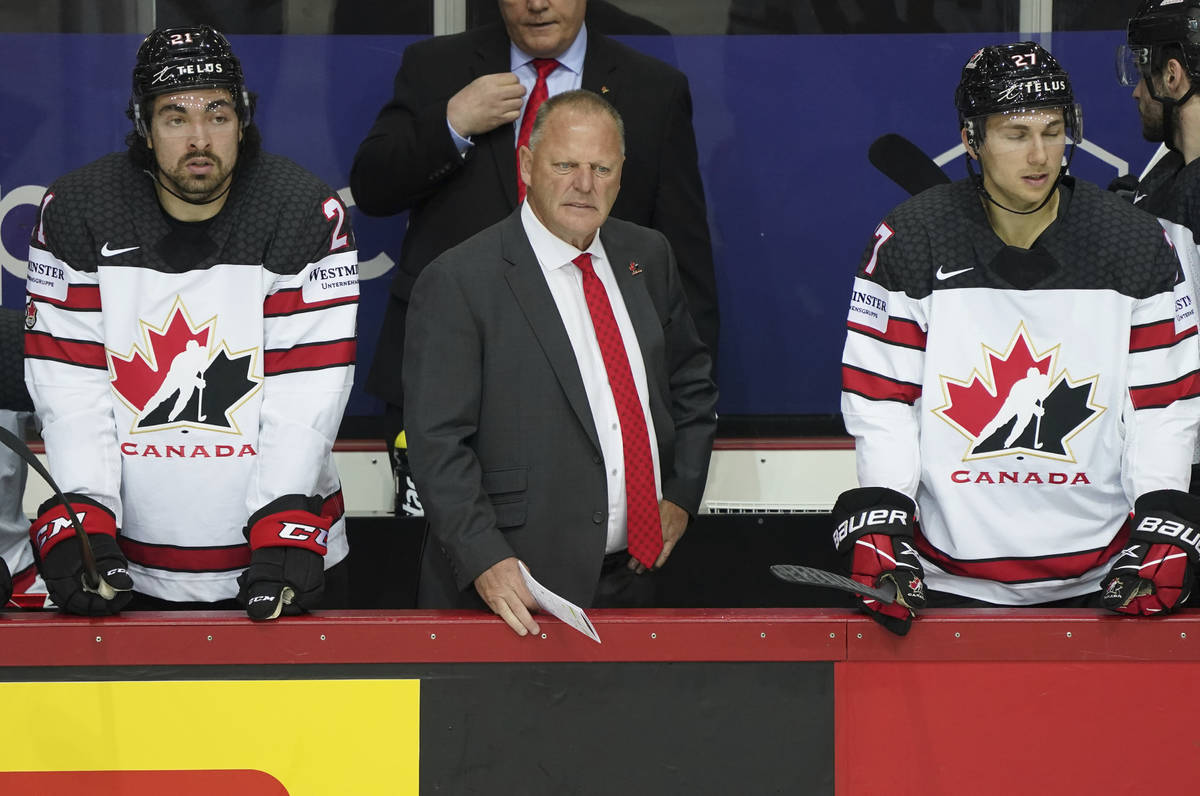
[(107, 252), (1138, 196), (943, 274)]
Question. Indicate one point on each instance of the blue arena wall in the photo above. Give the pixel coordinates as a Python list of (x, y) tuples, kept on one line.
[(783, 125)]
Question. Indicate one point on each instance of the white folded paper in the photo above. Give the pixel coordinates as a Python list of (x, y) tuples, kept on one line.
[(560, 607)]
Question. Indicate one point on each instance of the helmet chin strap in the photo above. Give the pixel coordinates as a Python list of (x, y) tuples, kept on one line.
[(154, 175), (1169, 107), (978, 180)]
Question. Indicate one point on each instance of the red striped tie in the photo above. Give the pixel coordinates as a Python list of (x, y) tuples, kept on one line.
[(544, 67), (641, 502)]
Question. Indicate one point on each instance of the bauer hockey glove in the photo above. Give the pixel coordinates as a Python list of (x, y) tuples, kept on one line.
[(874, 532), (287, 558), (1155, 573), (57, 555)]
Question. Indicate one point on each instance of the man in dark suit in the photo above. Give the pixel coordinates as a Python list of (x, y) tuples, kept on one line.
[(523, 433), (444, 149)]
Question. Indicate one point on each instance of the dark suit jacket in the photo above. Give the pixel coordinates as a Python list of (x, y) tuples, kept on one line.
[(408, 161), (501, 440)]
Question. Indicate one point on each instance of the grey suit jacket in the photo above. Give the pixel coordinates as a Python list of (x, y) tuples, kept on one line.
[(501, 440)]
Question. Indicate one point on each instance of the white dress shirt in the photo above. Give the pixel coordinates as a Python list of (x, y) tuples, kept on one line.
[(566, 286)]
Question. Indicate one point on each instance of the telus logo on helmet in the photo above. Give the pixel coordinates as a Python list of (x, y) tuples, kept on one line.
[(1030, 87), (190, 69)]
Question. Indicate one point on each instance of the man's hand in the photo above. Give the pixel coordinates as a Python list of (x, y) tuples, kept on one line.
[(485, 103), (674, 522), (503, 589), (874, 532), (1155, 572)]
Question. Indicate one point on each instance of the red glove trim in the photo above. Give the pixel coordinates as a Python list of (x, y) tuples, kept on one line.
[(291, 528), (54, 524)]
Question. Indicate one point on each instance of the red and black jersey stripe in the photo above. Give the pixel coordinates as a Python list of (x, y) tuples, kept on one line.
[(900, 331), (1150, 336), (878, 388), (1156, 396), (1058, 566), (186, 559), (208, 559), (80, 298), (83, 353), (309, 356), (291, 302)]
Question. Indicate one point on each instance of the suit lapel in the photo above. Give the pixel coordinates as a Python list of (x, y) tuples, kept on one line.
[(528, 285), (642, 313), (598, 65), (499, 145)]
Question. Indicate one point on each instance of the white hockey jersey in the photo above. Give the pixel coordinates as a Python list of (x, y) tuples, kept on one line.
[(1024, 398), (187, 375)]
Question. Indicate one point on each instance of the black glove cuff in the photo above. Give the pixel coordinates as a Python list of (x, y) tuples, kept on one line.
[(868, 510), (1168, 516)]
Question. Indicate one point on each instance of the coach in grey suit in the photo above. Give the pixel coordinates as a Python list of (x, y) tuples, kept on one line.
[(502, 397), (410, 160)]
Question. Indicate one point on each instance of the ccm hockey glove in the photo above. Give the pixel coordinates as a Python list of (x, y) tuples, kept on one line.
[(1156, 572), (287, 558), (874, 532), (56, 553)]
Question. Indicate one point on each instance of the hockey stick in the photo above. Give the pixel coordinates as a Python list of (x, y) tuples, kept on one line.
[(200, 416), (92, 582), (809, 576)]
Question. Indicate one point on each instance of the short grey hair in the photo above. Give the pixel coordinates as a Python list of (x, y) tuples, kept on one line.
[(579, 100)]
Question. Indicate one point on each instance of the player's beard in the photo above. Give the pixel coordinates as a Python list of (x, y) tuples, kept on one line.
[(198, 187), (1152, 121)]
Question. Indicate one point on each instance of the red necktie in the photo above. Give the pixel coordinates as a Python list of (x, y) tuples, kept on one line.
[(641, 502), (544, 67)]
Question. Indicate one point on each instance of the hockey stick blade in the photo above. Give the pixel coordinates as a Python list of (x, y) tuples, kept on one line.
[(808, 576), (905, 163)]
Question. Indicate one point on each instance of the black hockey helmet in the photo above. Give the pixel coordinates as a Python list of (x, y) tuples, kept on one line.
[(190, 57), (1014, 77), (1160, 29)]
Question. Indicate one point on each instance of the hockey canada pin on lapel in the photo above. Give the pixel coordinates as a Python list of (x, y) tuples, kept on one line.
[(604, 89), (634, 268)]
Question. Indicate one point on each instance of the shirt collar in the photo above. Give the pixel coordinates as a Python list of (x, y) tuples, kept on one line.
[(551, 251), (572, 59)]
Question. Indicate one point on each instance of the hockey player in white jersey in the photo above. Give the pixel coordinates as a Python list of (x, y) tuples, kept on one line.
[(190, 349), (1020, 375)]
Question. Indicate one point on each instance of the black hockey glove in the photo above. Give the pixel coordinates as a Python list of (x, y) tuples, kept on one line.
[(874, 532), (56, 553), (287, 558), (1125, 186), (1155, 573), (6, 585)]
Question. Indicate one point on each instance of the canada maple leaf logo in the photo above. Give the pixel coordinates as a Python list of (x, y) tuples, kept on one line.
[(1021, 402), (182, 376)]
